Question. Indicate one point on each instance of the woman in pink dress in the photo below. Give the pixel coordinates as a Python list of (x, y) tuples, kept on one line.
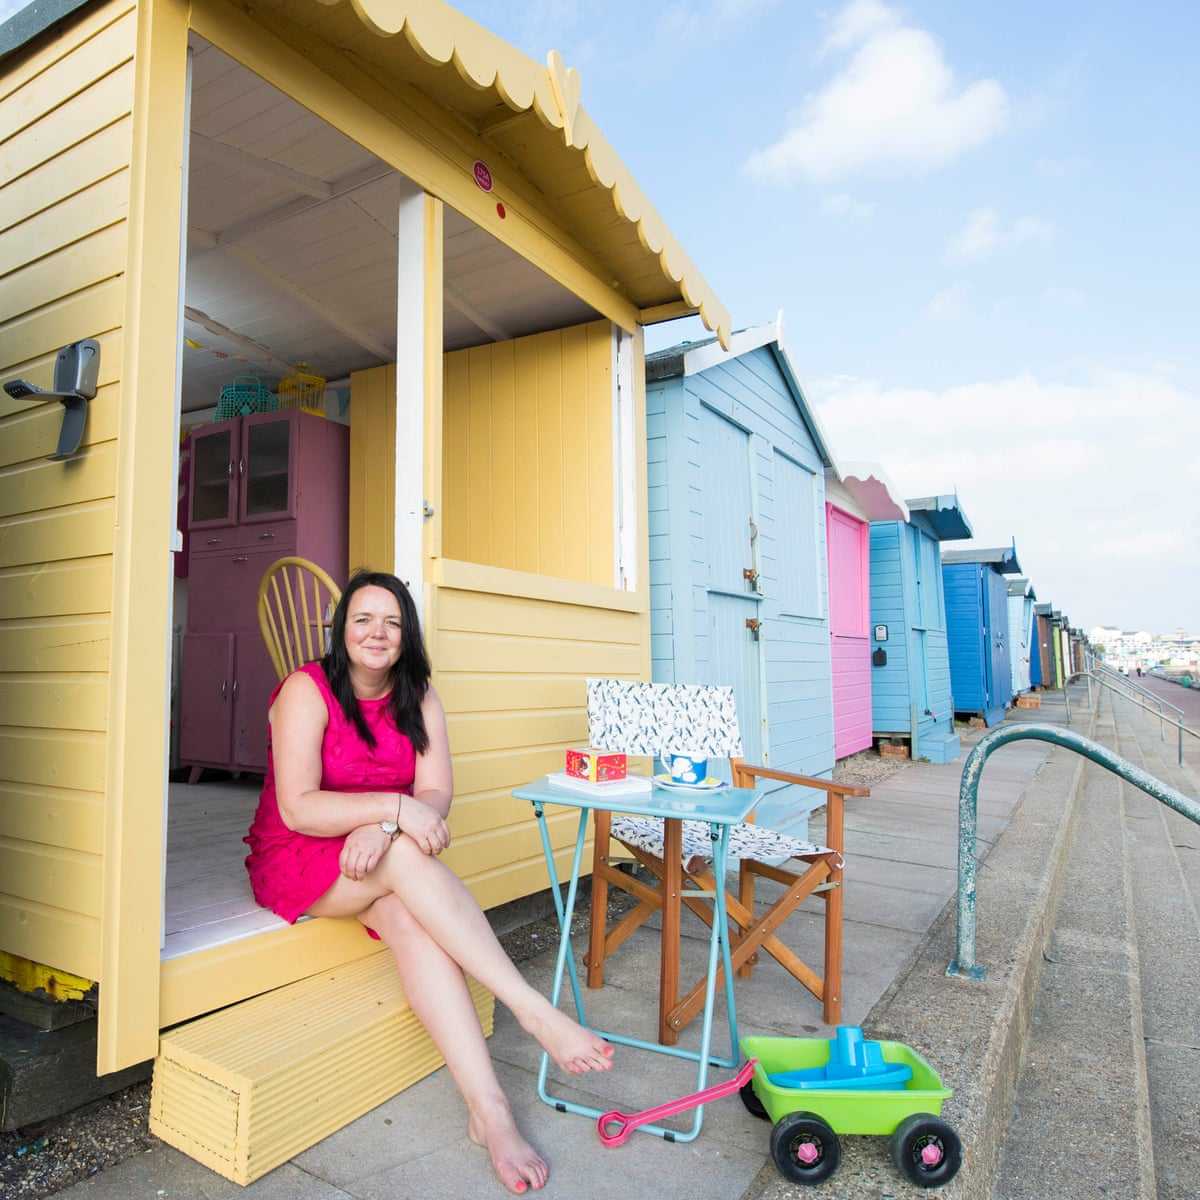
[(350, 824)]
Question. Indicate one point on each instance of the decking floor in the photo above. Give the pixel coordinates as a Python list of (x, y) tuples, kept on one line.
[(208, 897)]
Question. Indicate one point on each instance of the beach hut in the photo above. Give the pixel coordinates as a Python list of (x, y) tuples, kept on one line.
[(1056, 639), (910, 667), (856, 495), (977, 628), (737, 514), (1021, 599), (423, 230), (1044, 643)]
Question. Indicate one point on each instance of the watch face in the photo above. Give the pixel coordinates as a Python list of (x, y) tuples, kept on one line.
[(388, 827)]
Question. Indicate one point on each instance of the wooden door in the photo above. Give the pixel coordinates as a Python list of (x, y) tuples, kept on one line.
[(213, 486), (206, 711), (849, 617), (267, 467), (255, 681), (734, 604)]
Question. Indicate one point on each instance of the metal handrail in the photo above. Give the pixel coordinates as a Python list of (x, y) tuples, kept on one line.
[(1161, 716), (1118, 684), (1137, 687), (963, 963)]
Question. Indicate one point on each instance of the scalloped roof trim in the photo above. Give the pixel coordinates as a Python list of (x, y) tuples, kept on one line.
[(441, 35)]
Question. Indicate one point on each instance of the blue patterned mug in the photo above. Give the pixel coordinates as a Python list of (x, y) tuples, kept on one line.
[(686, 767)]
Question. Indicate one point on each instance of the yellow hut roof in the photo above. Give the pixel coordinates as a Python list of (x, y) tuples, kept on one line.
[(532, 115)]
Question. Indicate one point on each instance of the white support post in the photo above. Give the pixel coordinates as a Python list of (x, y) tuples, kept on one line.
[(413, 314), (625, 462)]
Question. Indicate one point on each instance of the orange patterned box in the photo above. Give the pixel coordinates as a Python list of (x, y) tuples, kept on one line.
[(597, 766)]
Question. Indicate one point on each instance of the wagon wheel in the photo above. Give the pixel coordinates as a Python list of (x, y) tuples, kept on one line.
[(805, 1148), (926, 1150), (754, 1106)]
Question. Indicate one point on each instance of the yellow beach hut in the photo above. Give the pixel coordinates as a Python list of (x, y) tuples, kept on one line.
[(433, 223)]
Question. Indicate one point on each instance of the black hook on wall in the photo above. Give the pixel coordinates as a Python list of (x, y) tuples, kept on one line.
[(76, 371)]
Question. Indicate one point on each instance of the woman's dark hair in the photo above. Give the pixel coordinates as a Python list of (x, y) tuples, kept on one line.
[(410, 674)]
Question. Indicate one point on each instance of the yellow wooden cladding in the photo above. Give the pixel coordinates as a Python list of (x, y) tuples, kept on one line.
[(527, 460), (31, 976), (65, 150), (139, 673), (373, 468), (245, 1089), (511, 674)]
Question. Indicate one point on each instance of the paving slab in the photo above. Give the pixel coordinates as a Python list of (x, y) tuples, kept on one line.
[(901, 855)]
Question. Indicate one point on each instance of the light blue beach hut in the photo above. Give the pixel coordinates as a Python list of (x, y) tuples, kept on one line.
[(977, 627), (738, 573), (1021, 599), (910, 674)]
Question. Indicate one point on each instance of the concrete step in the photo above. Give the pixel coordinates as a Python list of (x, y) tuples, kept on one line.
[(1082, 1107), (1166, 879)]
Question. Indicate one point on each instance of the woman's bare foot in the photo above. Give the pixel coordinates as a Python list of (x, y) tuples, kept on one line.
[(572, 1047), (517, 1164)]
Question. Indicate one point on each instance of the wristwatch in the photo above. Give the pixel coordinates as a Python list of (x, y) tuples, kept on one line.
[(390, 828)]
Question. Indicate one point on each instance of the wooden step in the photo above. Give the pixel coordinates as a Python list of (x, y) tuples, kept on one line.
[(245, 1089)]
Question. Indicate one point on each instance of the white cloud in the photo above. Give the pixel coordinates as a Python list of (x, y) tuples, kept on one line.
[(857, 21), (842, 205), (984, 234), (895, 106), (949, 304), (1102, 507)]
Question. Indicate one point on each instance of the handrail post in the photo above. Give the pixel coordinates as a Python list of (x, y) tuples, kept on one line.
[(963, 965)]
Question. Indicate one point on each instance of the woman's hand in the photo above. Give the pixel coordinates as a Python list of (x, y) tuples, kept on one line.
[(424, 824), (362, 849)]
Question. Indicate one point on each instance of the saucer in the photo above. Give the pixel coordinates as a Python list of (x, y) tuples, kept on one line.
[(706, 785)]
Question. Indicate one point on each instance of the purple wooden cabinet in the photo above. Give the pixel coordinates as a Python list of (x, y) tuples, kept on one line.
[(281, 489)]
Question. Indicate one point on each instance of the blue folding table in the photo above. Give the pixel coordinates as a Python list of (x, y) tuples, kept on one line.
[(719, 809)]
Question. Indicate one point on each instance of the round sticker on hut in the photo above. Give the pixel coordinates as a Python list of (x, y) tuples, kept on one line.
[(483, 176)]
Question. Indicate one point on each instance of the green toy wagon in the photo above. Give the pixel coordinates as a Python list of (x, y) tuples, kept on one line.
[(831, 1096)]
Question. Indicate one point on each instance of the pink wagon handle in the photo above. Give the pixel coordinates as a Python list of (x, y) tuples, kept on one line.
[(626, 1123)]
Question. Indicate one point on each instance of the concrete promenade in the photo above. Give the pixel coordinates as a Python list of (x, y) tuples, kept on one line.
[(901, 846)]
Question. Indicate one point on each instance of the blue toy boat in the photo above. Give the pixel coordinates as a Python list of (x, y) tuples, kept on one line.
[(854, 1065)]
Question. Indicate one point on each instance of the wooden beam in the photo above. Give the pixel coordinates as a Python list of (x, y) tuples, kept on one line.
[(235, 156), (242, 230), (666, 312), (293, 291), (492, 328), (261, 352)]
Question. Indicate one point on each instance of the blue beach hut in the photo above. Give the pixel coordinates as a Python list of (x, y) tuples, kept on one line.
[(977, 626), (910, 673), (738, 574), (1021, 598)]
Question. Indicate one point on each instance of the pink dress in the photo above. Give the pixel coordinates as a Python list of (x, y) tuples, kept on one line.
[(289, 871)]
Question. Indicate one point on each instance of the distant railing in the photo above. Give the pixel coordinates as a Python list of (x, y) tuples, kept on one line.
[(964, 964), (1179, 726)]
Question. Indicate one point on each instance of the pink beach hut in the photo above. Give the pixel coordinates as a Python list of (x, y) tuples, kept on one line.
[(855, 495)]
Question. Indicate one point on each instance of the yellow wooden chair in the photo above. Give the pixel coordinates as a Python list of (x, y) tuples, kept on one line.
[(296, 599)]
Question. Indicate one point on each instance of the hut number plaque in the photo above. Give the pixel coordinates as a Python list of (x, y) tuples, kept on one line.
[(881, 633)]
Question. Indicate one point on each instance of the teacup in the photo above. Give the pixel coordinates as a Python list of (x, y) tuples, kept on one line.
[(685, 766)]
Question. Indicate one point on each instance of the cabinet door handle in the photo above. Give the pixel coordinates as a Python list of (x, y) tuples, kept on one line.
[(240, 558), (241, 466), (214, 541), (262, 537), (235, 689), (224, 688), (229, 468)]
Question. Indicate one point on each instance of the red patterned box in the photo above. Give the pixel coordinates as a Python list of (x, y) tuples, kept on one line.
[(597, 766)]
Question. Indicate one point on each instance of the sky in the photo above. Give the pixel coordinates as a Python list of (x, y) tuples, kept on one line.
[(980, 224)]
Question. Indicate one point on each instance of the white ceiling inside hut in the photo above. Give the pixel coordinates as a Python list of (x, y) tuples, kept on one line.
[(292, 247)]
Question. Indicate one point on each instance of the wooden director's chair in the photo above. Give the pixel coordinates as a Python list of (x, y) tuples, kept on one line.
[(675, 853)]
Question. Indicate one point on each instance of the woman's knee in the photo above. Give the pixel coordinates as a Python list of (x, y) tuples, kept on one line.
[(389, 917)]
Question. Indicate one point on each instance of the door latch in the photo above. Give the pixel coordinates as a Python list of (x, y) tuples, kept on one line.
[(755, 626)]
